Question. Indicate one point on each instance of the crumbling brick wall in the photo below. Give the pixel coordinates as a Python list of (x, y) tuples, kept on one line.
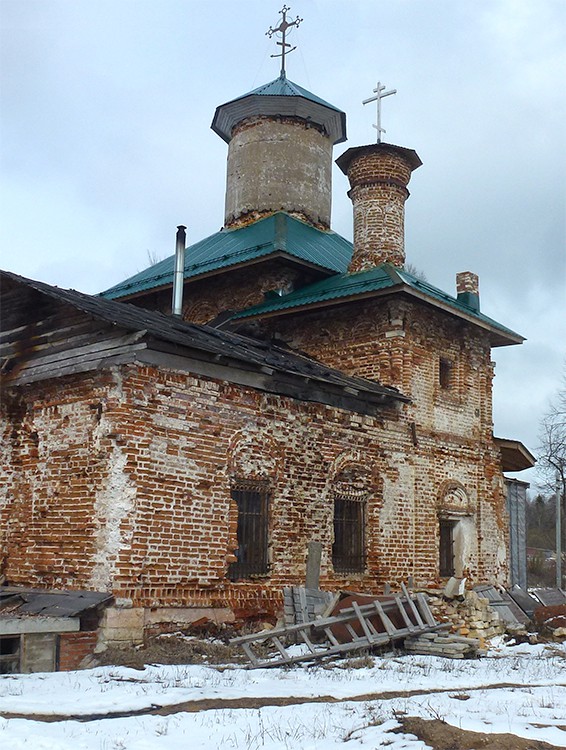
[(237, 289), (120, 481), (404, 343)]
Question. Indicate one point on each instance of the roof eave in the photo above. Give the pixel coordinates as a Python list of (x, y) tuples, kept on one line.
[(499, 337), (230, 114), (514, 455), (275, 254)]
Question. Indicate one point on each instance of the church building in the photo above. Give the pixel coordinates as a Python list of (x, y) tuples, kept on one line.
[(177, 446)]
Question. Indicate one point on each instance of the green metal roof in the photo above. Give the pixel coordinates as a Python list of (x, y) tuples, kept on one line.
[(276, 234), (373, 281), (280, 97), (282, 86)]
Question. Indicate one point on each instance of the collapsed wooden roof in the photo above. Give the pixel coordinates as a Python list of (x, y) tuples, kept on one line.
[(47, 332)]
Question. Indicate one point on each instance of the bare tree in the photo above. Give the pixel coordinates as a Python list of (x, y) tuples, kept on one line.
[(552, 448), (552, 452), (414, 271)]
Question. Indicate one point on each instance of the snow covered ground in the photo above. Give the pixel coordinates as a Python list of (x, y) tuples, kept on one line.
[(519, 689)]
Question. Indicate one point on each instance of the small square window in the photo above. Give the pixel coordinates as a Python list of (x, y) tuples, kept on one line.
[(9, 654)]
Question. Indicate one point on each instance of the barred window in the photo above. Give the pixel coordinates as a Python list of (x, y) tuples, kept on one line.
[(348, 550), (252, 499), (446, 548), (445, 373)]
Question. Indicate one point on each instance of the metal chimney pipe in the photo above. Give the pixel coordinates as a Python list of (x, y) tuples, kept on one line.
[(179, 277)]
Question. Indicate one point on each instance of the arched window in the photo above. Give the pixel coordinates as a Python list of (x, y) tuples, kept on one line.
[(350, 493), (456, 529)]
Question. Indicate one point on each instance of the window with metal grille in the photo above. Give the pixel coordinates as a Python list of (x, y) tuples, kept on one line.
[(446, 548), (348, 550), (445, 373), (252, 499)]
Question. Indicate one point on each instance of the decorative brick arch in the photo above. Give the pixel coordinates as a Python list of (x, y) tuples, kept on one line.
[(254, 467), (457, 533), (200, 312), (254, 455), (453, 499), (352, 487)]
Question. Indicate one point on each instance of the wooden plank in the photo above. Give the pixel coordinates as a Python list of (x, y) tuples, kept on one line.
[(350, 629), (414, 610), (279, 646), (306, 639), (249, 653), (80, 352), (343, 648), (425, 609), (70, 367), (362, 621), (387, 624), (406, 619), (330, 635), (550, 597)]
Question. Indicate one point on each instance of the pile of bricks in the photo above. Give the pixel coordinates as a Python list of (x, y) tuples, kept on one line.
[(470, 616)]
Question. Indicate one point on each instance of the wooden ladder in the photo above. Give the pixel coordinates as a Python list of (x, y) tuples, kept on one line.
[(320, 641)]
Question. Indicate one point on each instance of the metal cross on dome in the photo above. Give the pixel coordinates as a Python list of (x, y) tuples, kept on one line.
[(380, 93), (282, 29)]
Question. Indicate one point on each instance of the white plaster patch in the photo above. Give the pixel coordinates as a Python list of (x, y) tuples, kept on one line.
[(113, 503)]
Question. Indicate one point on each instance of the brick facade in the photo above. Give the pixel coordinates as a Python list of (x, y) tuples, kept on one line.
[(206, 298), (120, 480), (404, 344), (74, 648)]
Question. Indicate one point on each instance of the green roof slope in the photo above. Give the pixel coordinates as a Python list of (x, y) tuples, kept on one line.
[(282, 86), (279, 234), (382, 279)]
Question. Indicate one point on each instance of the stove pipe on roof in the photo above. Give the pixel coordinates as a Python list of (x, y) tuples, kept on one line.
[(179, 276)]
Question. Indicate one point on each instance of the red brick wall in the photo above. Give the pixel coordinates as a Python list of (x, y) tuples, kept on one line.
[(400, 343), (74, 647), (378, 182), (54, 461), (120, 480), (204, 299)]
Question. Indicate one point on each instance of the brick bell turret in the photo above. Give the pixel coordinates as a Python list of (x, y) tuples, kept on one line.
[(378, 176)]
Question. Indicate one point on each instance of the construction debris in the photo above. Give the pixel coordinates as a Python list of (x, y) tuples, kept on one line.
[(357, 622), (444, 644), (321, 625)]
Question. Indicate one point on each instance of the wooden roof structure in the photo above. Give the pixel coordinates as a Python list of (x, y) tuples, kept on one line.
[(48, 332)]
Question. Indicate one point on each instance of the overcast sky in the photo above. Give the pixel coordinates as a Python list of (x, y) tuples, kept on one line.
[(105, 142)]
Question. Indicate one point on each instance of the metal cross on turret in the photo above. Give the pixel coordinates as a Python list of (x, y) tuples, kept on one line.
[(380, 94), (282, 29)]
